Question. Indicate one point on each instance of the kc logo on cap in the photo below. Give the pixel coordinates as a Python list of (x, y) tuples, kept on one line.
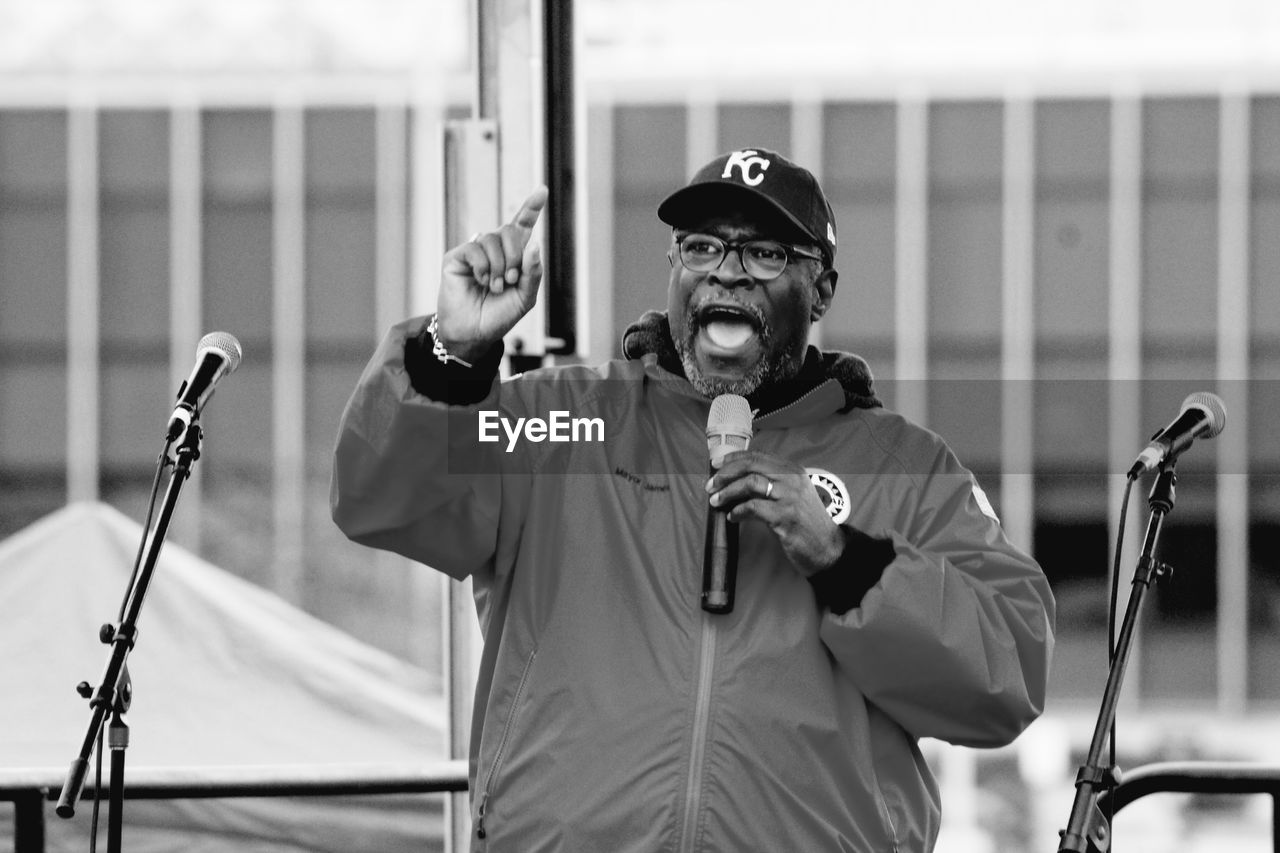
[(767, 182), (745, 161)]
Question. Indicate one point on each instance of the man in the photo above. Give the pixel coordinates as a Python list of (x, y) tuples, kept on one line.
[(877, 599)]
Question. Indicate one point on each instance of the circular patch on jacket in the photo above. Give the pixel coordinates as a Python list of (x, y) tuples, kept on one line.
[(834, 494)]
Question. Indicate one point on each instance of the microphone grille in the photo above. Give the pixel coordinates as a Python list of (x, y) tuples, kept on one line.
[(224, 343), (1210, 404), (728, 425)]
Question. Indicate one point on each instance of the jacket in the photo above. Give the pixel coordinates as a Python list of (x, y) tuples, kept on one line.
[(611, 712)]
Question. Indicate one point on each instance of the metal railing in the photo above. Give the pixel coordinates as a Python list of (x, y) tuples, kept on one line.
[(1197, 777), (29, 790)]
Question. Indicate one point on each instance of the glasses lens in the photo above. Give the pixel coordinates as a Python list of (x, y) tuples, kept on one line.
[(701, 252), (764, 258)]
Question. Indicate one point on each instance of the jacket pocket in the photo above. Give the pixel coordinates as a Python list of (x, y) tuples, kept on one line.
[(494, 772)]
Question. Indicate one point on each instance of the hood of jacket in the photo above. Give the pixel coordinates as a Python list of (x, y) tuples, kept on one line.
[(651, 335)]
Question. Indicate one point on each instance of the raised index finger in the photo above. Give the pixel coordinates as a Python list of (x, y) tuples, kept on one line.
[(527, 216)]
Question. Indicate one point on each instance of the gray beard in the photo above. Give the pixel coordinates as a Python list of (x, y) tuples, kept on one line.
[(773, 367)]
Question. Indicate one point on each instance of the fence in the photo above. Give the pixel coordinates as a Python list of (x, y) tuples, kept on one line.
[(29, 790)]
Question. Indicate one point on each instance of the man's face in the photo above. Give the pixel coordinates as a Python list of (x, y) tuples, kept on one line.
[(734, 333)]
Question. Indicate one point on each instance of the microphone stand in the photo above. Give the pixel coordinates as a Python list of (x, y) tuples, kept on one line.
[(1086, 824), (117, 742), (115, 692)]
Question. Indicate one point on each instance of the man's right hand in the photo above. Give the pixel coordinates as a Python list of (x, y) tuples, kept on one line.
[(488, 283)]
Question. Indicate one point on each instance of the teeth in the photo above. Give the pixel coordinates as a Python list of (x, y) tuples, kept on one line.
[(729, 335)]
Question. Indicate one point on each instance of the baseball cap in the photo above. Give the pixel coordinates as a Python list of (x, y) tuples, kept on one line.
[(756, 175)]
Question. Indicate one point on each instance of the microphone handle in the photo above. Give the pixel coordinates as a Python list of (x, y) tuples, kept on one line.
[(719, 563)]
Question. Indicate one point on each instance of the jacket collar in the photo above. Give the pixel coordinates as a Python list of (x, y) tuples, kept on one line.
[(847, 376)]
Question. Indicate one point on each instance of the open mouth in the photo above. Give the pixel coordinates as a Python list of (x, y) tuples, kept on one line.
[(728, 326)]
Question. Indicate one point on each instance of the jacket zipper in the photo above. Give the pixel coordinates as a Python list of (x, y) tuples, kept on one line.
[(701, 722), (757, 415), (702, 712), (502, 746)]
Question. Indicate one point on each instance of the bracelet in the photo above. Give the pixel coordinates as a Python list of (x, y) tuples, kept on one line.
[(437, 346)]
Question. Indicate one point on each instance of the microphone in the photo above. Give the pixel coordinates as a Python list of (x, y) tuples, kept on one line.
[(728, 429), (217, 355), (1202, 414)]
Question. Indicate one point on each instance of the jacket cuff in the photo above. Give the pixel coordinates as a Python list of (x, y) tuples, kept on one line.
[(449, 382), (864, 559)]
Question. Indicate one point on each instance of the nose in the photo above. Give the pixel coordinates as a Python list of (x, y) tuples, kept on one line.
[(731, 273)]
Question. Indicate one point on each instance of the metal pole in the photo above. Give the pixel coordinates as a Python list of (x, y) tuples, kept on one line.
[(560, 254), (28, 822)]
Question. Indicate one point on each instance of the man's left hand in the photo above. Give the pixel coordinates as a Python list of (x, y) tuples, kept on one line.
[(752, 484)]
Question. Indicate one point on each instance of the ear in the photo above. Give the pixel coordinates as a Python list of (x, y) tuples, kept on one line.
[(825, 290)]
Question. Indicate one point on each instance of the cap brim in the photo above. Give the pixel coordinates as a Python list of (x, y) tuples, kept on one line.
[(692, 205)]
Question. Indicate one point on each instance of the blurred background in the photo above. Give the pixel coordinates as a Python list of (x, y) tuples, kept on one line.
[(1056, 221)]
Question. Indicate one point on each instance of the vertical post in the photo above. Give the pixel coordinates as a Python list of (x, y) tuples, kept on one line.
[(806, 149), (1124, 369), (28, 822), (911, 253), (471, 198), (185, 271), (432, 229), (427, 210), (391, 229), (702, 129), (83, 365), (1233, 370), (391, 301), (1275, 824), (288, 346), (597, 300), (561, 170), (509, 91), (1017, 364), (471, 156)]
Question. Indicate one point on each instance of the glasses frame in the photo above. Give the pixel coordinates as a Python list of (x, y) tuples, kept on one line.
[(737, 246)]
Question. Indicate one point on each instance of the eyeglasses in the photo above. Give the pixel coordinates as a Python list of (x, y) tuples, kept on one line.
[(762, 259)]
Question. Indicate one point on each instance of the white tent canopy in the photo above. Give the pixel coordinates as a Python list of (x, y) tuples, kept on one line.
[(224, 674)]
